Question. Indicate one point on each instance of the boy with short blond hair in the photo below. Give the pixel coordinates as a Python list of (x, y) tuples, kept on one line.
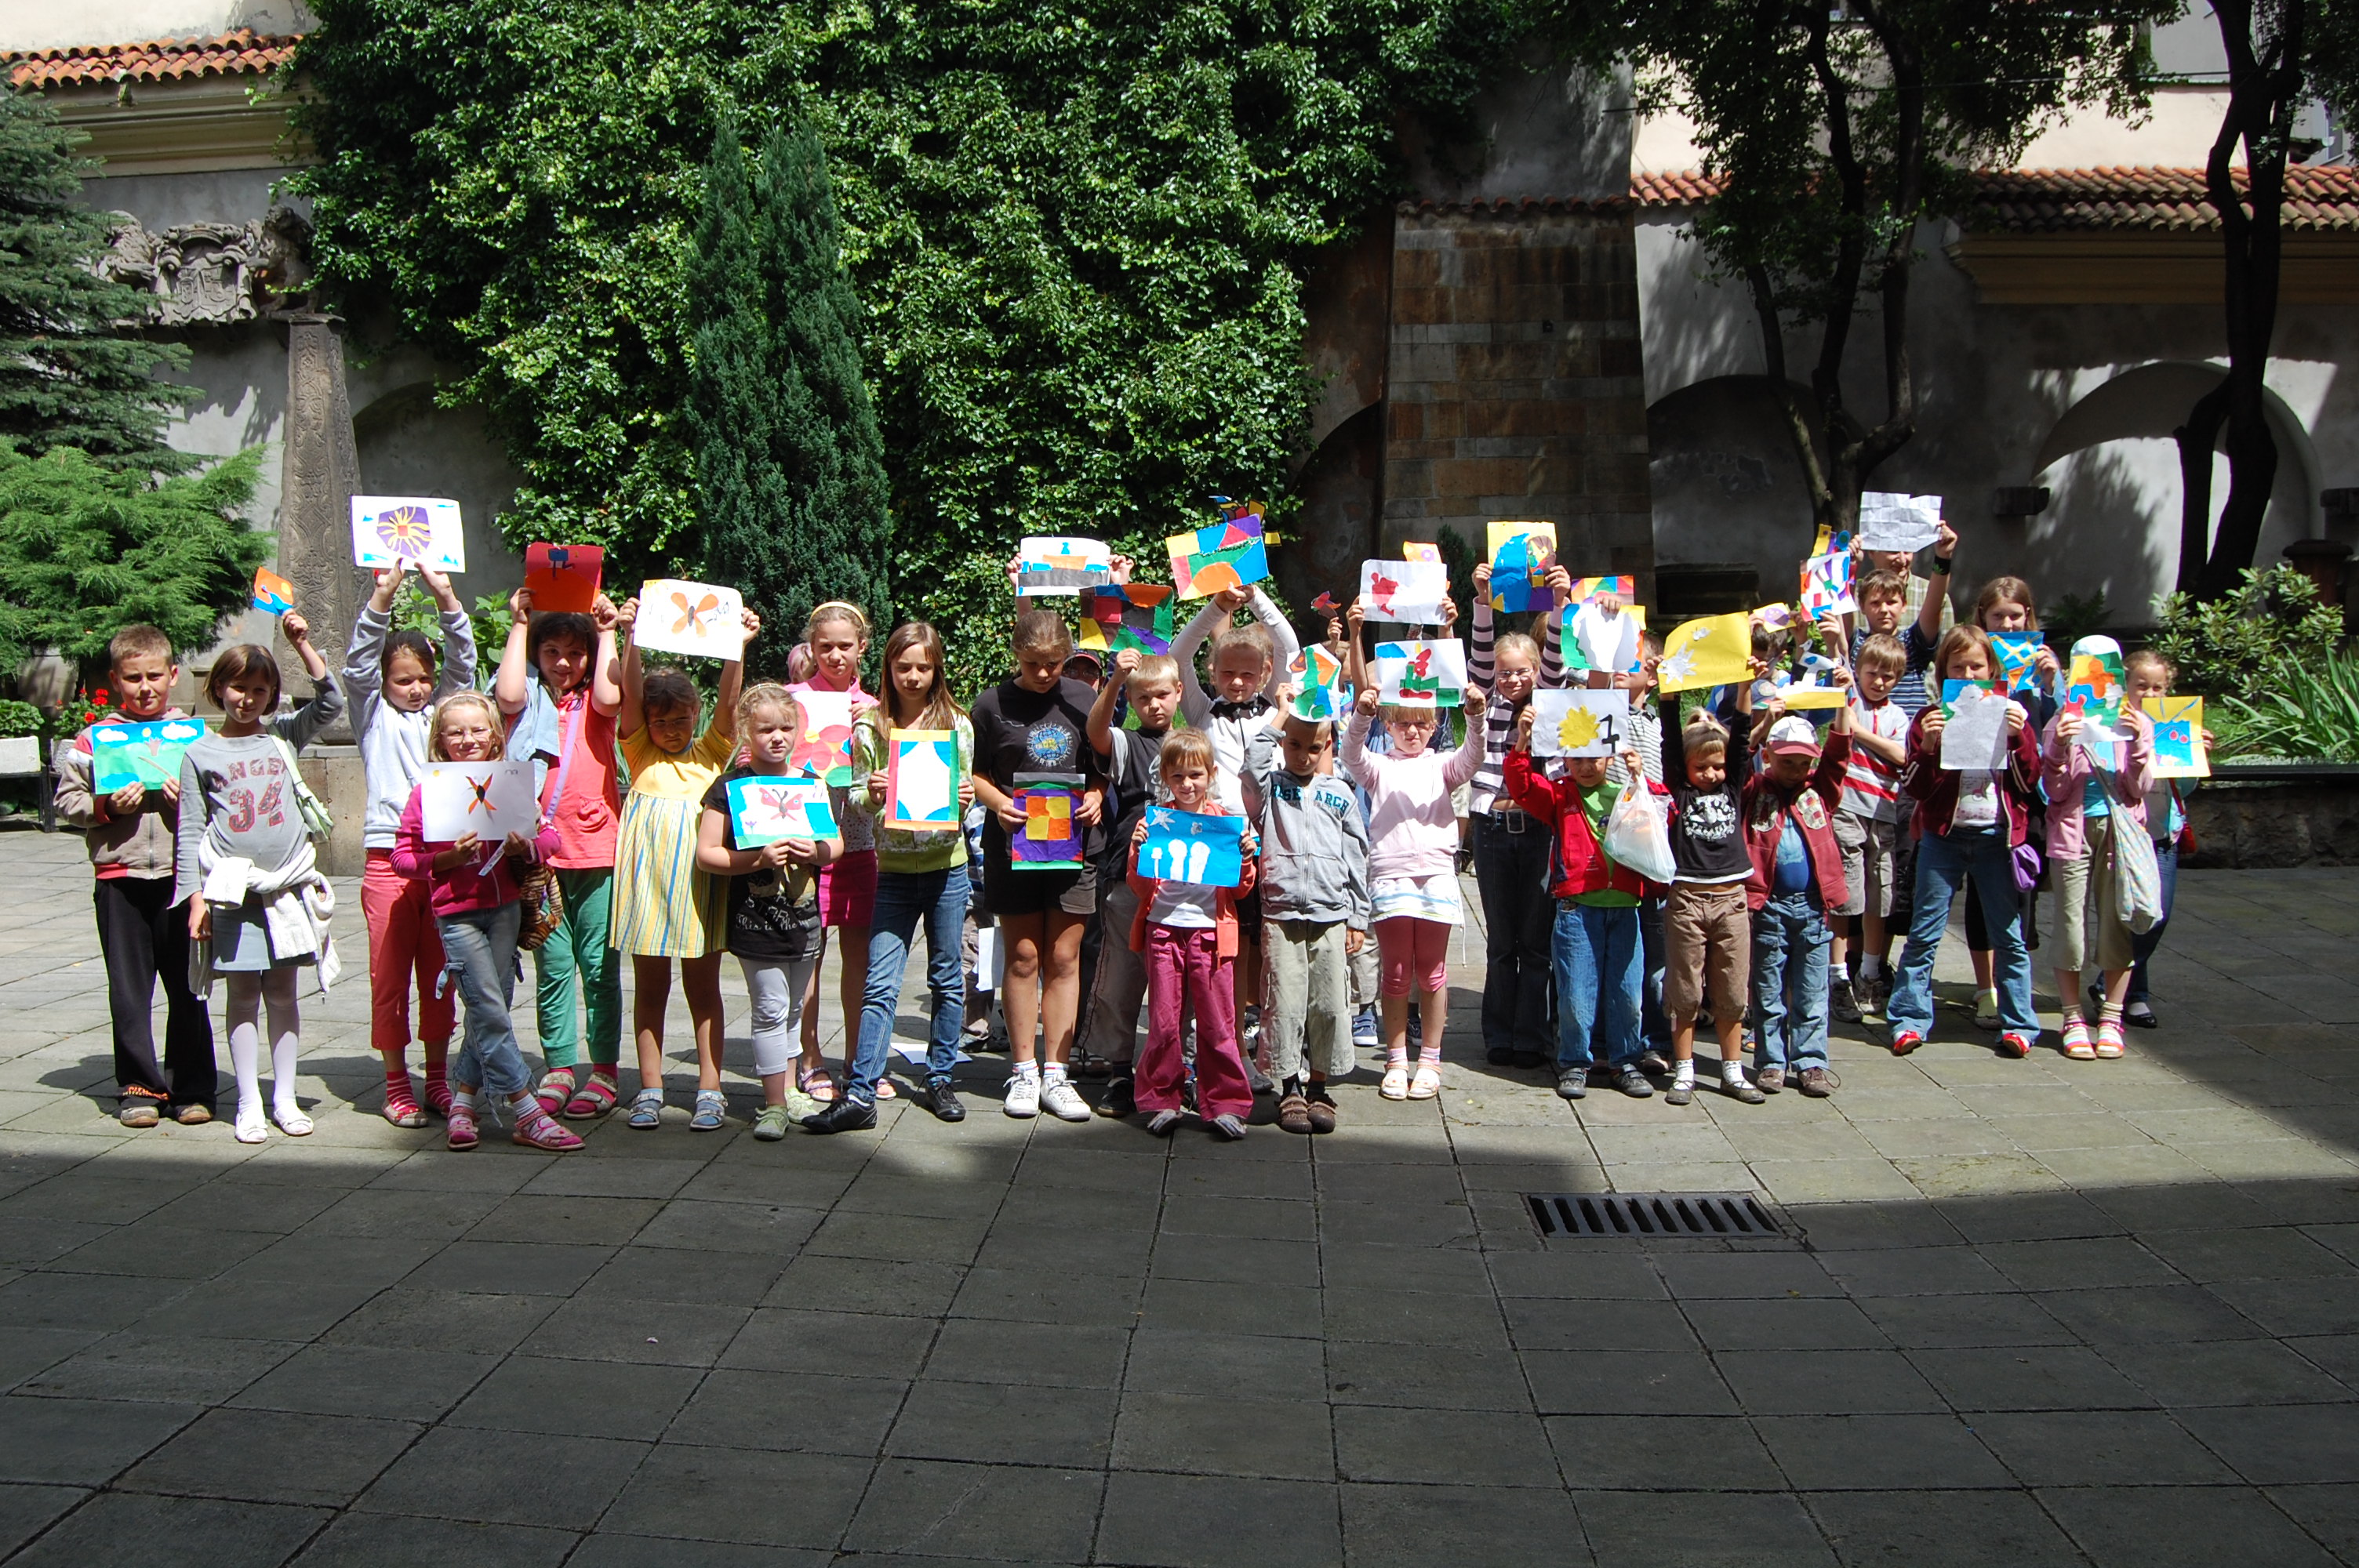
[(143, 935), (1109, 1025), (1871, 821)]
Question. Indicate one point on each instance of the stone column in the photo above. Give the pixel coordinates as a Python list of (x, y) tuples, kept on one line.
[(322, 473)]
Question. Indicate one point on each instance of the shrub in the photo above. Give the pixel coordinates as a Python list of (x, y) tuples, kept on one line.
[(2309, 711), (2256, 642)]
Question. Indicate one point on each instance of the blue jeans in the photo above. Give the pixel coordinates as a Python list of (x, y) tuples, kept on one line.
[(1598, 973), (903, 898), (2144, 942), (1512, 871), (1790, 943), (480, 949), (1945, 862), (1654, 1023)]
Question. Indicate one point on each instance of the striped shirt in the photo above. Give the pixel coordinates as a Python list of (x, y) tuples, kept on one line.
[(1908, 693), (1871, 787), (1498, 713)]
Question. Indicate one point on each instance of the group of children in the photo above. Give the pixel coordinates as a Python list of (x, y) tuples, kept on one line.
[(1798, 852)]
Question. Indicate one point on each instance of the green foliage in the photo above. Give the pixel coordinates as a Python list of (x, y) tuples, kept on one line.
[(2261, 638), (85, 550), (2074, 616), (2309, 711), (790, 470), (70, 374), (1080, 231), (19, 719)]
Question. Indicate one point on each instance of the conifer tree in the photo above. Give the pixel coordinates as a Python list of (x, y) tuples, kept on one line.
[(790, 472), (71, 373)]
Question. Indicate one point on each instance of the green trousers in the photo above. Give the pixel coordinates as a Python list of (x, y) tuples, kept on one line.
[(579, 948)]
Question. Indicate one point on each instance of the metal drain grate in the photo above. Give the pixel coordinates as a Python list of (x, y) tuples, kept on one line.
[(1563, 1217)]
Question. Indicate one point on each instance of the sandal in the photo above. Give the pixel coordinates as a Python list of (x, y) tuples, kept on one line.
[(140, 1108), (401, 1107), (884, 1089), (712, 1110), (647, 1110), (556, 1087), (460, 1135), (1427, 1082), (536, 1128), (1394, 1085), (816, 1082), (595, 1098), (2109, 1038), (2076, 1041)]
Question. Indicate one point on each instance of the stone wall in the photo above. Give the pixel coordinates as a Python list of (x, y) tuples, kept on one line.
[(1514, 389), (2293, 822)]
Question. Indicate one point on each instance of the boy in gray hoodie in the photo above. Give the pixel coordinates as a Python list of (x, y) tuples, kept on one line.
[(1315, 892)]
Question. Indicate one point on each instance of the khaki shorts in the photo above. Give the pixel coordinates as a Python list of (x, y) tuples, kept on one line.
[(2089, 933), (1867, 846), (1707, 949)]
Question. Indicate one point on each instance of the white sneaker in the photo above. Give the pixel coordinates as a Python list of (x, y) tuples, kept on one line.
[(1064, 1101), (1023, 1097)]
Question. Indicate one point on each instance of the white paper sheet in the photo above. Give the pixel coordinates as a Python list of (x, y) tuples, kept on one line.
[(1891, 521), (1599, 732), (1407, 593), (1975, 735), (700, 619), (490, 800)]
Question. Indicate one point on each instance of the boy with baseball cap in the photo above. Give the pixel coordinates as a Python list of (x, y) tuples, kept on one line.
[(1797, 878)]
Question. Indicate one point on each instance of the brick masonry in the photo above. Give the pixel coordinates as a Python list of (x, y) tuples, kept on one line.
[(1513, 386)]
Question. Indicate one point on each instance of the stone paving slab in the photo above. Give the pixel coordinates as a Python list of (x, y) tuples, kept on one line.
[(2038, 1310)]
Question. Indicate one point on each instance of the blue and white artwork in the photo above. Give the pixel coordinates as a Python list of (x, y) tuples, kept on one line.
[(1187, 846)]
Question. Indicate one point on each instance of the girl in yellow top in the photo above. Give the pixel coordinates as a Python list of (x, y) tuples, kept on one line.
[(664, 907)]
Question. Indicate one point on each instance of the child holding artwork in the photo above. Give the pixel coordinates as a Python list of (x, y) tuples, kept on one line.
[(920, 878), (1871, 823), (1510, 845), (1187, 932), (2149, 678), (1314, 886), (477, 913), (1797, 878), (772, 921), (1596, 946), (2004, 606), (2094, 795), (836, 635), (391, 680), (664, 904), (242, 862), (1132, 760), (557, 692), (1035, 724), (1412, 864), (143, 932), (1969, 821), (1707, 933)]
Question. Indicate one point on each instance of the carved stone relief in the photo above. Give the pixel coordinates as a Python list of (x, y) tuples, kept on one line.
[(214, 273)]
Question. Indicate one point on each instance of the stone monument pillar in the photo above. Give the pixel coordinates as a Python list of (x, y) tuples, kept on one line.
[(320, 475)]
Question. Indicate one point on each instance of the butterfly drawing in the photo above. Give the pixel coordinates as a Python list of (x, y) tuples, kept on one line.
[(482, 792), (696, 619)]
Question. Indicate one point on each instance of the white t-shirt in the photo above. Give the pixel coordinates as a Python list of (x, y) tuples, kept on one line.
[(1188, 906)]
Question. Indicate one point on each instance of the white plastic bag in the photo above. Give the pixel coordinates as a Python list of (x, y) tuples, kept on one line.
[(1638, 834)]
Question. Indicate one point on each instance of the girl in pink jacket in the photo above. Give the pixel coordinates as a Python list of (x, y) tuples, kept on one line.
[(2093, 795), (478, 911)]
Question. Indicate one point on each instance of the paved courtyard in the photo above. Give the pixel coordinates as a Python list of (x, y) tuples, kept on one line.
[(2031, 1313)]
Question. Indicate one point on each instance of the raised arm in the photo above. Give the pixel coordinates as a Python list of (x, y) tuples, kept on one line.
[(1109, 695), (458, 636), (1193, 702), (733, 682), (630, 712), (605, 686), (1284, 644), (1936, 585), (508, 683), (365, 654), (1467, 761)]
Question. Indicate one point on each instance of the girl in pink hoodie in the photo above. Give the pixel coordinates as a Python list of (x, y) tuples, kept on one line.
[(2092, 797)]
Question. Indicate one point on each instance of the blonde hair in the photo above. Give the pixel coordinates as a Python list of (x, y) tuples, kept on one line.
[(767, 694), (1185, 746), (1254, 636), (837, 610), (1393, 712), (481, 704), (1704, 736), (2150, 656), (1154, 669), (1515, 642)]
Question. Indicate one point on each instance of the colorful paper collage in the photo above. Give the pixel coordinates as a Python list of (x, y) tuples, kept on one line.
[(921, 789), (1420, 674), (2178, 749), (1189, 847), (1889, 520), (1521, 556), (272, 592), (1623, 588), (1826, 585), (422, 530), (767, 807), (490, 800), (2095, 683), (122, 755), (1405, 594), (1061, 565), (1415, 552), (700, 619), (1320, 689), (1573, 722), (564, 578), (1713, 651), (1052, 838), (1590, 639), (2016, 655), (1133, 615), (1223, 555), (1973, 732), (824, 750)]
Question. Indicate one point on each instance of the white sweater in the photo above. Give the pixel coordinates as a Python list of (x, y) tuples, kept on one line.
[(393, 743)]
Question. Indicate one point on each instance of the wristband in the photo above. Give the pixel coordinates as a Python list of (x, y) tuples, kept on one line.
[(1942, 565)]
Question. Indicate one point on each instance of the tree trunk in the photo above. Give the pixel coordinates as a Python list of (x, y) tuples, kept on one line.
[(2196, 438)]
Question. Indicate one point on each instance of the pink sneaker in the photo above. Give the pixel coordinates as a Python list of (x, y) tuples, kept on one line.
[(460, 1133)]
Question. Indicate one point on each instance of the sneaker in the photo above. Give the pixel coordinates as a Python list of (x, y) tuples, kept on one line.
[(1323, 1110), (1770, 1080), (1573, 1083), (1681, 1091), (1023, 1096), (1064, 1101), (1363, 1027), (139, 1110), (1905, 1040), (1162, 1122), (1842, 1001), (1227, 1127), (1874, 996), (1633, 1083), (1818, 1083), (845, 1115), (1737, 1090), (1121, 1096), (1986, 1009), (2012, 1045), (1653, 1062), (943, 1101), (1294, 1114), (770, 1123)]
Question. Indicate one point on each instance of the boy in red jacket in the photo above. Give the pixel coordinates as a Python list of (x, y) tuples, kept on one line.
[(1596, 947), (1797, 877)]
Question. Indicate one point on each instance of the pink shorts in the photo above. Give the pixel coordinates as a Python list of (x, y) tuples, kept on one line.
[(847, 889), (1416, 954)]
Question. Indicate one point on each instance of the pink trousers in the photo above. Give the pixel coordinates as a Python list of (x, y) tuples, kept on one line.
[(403, 947), (1416, 954), (1186, 972)]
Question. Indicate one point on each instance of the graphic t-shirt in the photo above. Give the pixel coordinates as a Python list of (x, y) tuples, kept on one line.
[(1792, 873), (1017, 730), (773, 915)]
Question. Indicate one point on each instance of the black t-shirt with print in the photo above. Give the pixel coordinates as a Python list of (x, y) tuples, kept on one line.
[(1018, 731), (773, 916)]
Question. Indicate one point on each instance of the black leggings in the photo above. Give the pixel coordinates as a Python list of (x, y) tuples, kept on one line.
[(1978, 931)]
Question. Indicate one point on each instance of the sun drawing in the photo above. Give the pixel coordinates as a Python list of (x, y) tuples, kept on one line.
[(405, 530), (1578, 729)]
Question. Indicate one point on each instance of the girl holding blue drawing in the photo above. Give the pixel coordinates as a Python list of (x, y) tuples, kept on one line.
[(917, 797), (772, 918), (1188, 932), (664, 906)]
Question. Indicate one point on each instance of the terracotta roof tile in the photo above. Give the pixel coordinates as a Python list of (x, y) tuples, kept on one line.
[(162, 60), (2047, 200)]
